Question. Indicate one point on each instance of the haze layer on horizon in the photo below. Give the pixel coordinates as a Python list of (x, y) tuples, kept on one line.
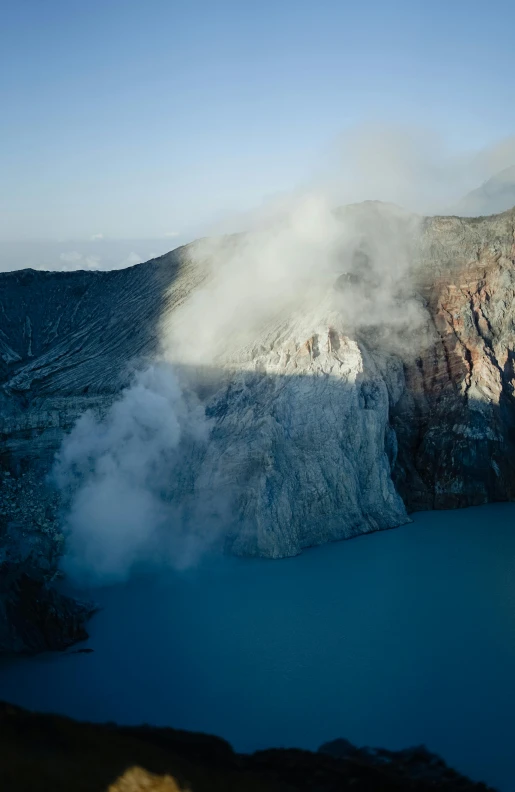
[(163, 121)]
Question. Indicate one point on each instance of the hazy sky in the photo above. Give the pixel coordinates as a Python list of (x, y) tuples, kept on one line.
[(140, 119)]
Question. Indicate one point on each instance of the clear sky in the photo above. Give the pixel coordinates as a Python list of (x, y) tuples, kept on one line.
[(141, 118)]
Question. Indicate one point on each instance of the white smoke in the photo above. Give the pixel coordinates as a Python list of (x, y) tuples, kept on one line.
[(253, 277), (307, 258), (413, 167), (116, 473)]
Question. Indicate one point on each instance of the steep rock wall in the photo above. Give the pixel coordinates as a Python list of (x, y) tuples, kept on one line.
[(455, 421)]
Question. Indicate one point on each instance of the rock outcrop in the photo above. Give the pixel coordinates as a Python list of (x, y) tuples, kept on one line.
[(321, 428), (301, 444), (454, 422)]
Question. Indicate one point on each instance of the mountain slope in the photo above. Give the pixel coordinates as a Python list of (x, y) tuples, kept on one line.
[(492, 197)]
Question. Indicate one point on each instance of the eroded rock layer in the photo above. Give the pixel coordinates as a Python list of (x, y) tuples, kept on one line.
[(455, 420)]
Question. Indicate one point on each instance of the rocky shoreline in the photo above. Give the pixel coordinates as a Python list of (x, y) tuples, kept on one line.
[(34, 615)]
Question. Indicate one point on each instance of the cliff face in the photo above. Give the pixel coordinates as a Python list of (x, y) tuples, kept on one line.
[(318, 430), (455, 420), (302, 446)]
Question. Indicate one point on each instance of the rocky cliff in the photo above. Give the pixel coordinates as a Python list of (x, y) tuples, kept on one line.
[(454, 421), (321, 428)]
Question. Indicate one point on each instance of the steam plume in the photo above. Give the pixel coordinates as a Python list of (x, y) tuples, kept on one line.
[(116, 473)]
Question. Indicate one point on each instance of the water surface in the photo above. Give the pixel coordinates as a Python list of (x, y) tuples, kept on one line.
[(392, 639)]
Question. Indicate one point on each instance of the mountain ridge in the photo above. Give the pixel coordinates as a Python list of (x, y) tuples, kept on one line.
[(494, 196)]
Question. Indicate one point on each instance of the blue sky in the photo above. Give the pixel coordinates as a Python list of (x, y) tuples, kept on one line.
[(138, 119)]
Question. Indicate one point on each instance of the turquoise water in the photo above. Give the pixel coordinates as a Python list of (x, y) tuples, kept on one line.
[(392, 639)]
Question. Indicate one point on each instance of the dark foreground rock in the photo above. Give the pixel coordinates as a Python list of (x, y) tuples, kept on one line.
[(35, 617), (47, 752)]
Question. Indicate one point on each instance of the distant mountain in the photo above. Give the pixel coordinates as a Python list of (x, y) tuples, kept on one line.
[(492, 197), (97, 253)]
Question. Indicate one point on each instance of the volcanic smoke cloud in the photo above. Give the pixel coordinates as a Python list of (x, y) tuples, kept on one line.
[(116, 473)]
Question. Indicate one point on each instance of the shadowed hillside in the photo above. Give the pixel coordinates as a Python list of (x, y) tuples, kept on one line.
[(42, 752)]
